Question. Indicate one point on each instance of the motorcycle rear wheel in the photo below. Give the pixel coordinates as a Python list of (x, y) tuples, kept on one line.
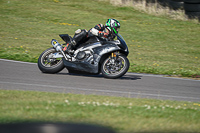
[(115, 70), (50, 65)]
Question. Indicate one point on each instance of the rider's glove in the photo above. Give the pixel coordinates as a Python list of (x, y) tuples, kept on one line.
[(99, 27)]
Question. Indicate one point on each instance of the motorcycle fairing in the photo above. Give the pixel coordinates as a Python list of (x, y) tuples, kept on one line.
[(81, 66), (106, 48), (88, 67), (122, 44), (66, 37)]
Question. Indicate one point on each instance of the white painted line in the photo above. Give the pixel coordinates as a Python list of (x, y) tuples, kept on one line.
[(161, 76), (140, 74), (108, 91), (18, 61)]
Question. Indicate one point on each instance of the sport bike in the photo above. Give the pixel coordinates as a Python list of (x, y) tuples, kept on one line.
[(93, 56)]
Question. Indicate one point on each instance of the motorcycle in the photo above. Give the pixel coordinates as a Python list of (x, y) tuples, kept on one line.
[(93, 56)]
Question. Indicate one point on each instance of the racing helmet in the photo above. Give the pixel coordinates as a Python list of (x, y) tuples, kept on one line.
[(113, 25)]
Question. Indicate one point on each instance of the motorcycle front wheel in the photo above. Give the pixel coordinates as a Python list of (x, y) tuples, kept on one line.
[(115, 68), (47, 64)]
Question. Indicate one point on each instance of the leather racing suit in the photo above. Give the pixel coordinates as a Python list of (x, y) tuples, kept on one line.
[(99, 30)]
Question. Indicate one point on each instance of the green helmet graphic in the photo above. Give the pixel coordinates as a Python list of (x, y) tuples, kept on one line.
[(113, 25)]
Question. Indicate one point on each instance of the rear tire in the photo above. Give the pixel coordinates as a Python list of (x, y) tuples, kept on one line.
[(50, 65), (116, 70)]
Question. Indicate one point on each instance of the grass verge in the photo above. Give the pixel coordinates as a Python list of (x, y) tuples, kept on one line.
[(122, 114), (154, 8), (157, 44)]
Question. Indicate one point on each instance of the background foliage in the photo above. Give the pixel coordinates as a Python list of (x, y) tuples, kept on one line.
[(157, 44)]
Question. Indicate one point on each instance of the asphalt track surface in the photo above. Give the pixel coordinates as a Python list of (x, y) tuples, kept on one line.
[(16, 75)]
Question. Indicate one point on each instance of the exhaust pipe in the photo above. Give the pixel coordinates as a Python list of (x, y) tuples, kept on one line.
[(58, 47)]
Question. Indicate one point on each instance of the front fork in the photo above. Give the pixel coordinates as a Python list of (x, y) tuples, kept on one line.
[(114, 55)]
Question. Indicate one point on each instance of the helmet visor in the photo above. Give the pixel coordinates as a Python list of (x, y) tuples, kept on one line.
[(116, 30)]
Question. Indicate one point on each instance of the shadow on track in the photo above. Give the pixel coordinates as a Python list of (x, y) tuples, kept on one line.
[(125, 77)]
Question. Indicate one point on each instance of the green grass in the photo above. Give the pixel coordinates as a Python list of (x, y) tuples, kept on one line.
[(121, 114), (157, 45)]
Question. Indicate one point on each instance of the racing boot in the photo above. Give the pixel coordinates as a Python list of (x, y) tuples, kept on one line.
[(69, 47), (79, 35)]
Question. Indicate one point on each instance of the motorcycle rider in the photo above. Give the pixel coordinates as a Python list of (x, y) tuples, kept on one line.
[(106, 32)]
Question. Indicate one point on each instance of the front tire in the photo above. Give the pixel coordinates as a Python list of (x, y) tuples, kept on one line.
[(115, 69), (50, 65)]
